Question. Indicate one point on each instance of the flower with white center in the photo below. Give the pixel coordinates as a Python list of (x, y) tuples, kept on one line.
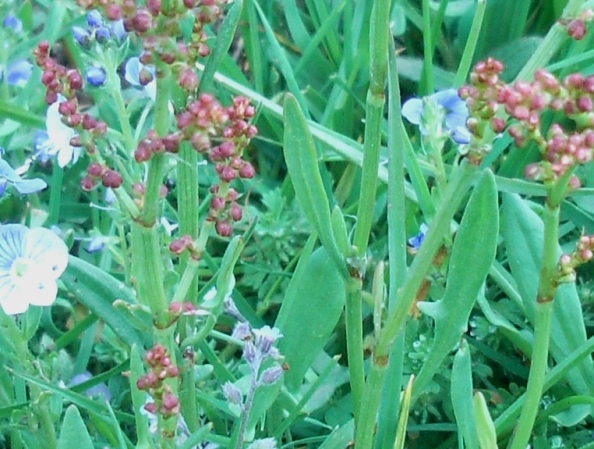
[(57, 142), (25, 186), (450, 104), (31, 260)]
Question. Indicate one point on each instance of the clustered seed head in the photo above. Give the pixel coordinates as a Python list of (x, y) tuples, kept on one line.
[(224, 210), (97, 171), (583, 253), (525, 102), (160, 368), (57, 79), (153, 144)]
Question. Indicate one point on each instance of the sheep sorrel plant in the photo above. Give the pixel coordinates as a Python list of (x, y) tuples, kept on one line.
[(316, 224)]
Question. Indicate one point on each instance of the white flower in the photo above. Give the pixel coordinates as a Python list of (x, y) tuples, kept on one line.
[(58, 138), (31, 260)]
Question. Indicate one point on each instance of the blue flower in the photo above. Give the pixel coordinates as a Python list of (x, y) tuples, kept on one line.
[(96, 76), (81, 36), (58, 138), (415, 242), (102, 34), (455, 109), (94, 19), (135, 71), (12, 22), (96, 244), (17, 73), (24, 186), (117, 29), (31, 260)]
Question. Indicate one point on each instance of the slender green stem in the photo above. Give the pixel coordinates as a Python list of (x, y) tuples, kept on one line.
[(508, 418), (470, 47), (354, 335), (405, 296), (426, 84), (542, 328), (113, 86), (388, 412), (187, 209), (186, 281), (55, 193), (374, 116)]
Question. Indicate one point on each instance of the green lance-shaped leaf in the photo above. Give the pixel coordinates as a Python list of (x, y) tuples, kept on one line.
[(461, 391), (97, 290), (74, 434), (472, 255), (309, 313), (403, 415), (523, 231), (302, 163), (487, 438)]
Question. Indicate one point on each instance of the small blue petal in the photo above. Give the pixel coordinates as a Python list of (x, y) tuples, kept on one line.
[(11, 21), (3, 184), (7, 172), (19, 72), (132, 71), (94, 19), (81, 36), (412, 110), (416, 241), (110, 196), (118, 30), (96, 76), (27, 186), (95, 244), (102, 34)]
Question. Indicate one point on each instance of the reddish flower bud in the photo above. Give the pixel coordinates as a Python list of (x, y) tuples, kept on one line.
[(576, 29), (87, 184), (235, 212), (113, 11), (247, 171), (111, 178), (95, 170), (224, 228), (142, 21)]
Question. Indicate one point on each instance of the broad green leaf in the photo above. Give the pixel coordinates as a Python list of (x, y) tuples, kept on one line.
[(302, 163), (522, 231), (461, 391), (472, 255), (485, 428), (97, 290), (74, 434), (308, 314)]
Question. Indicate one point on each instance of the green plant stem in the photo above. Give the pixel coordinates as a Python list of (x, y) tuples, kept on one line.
[(389, 405), (506, 420), (113, 86), (354, 336), (55, 193), (187, 209), (374, 116), (551, 43), (426, 84), (459, 184), (547, 286), (470, 47)]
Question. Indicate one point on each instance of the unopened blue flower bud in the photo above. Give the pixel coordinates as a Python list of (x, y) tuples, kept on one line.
[(232, 393), (271, 375), (96, 76), (81, 36), (11, 21), (94, 19), (102, 34), (117, 29), (242, 330), (265, 338)]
